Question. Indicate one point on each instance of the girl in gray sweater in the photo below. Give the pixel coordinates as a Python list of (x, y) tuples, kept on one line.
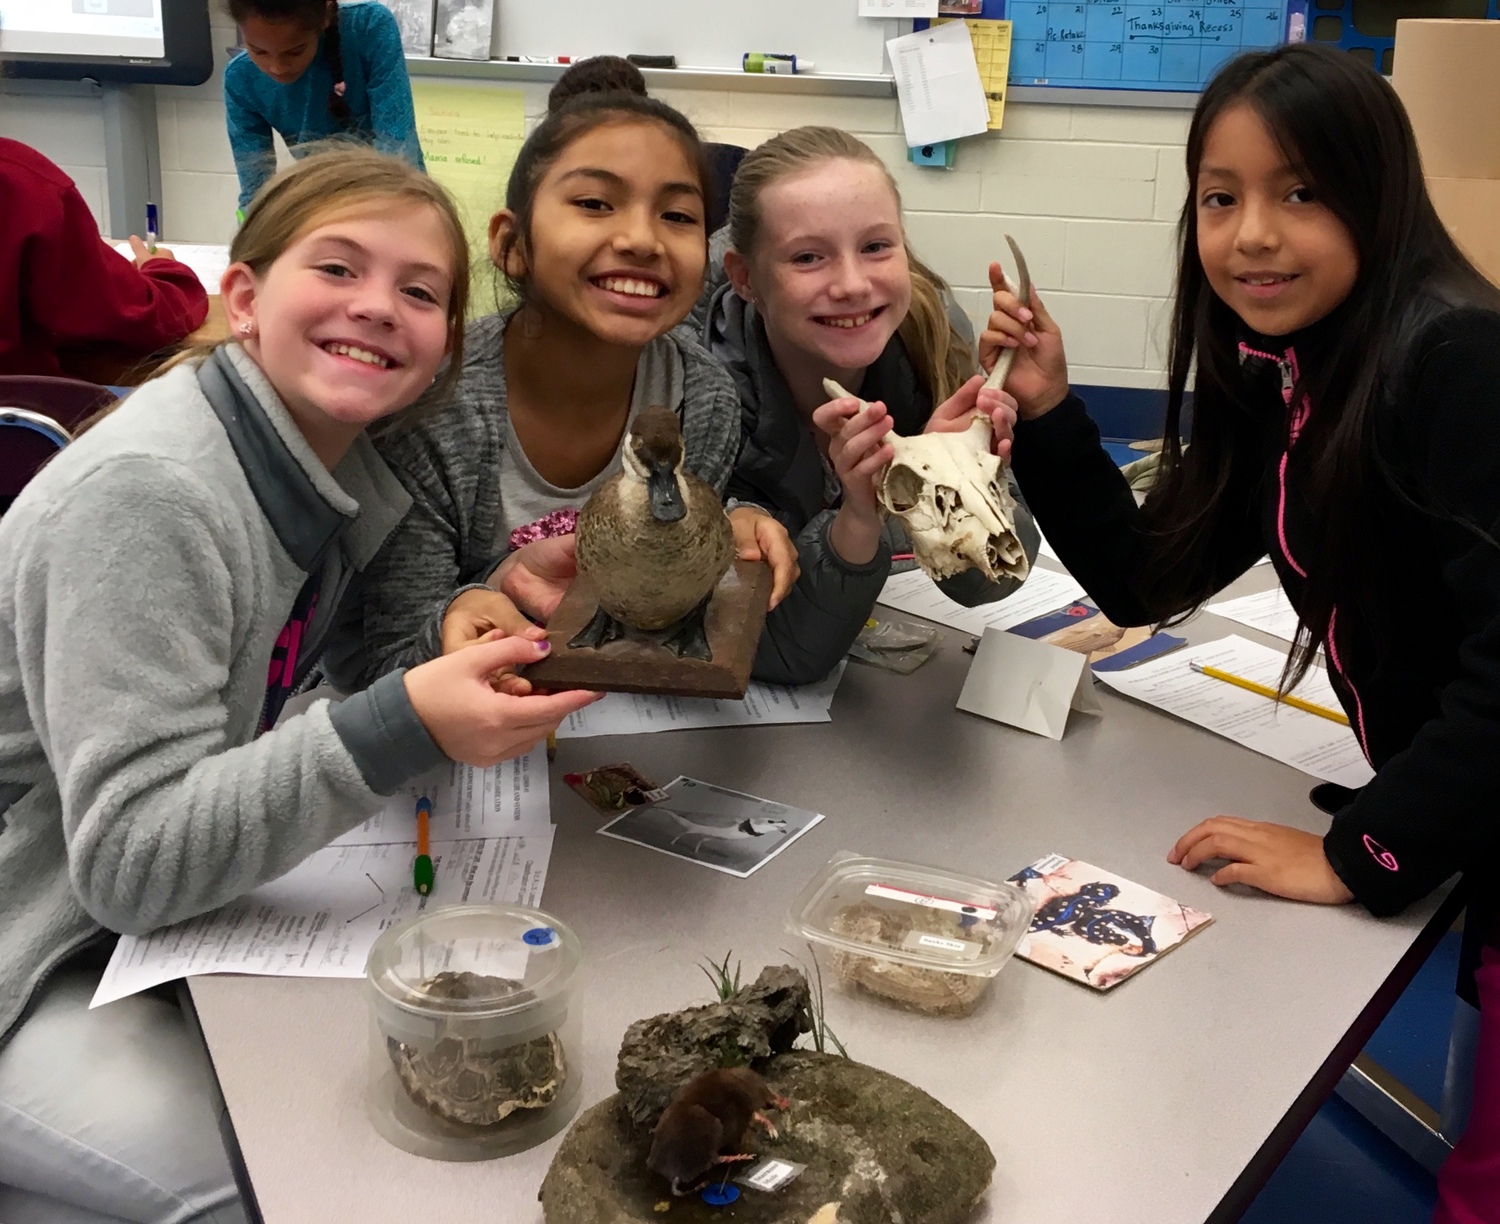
[(165, 583)]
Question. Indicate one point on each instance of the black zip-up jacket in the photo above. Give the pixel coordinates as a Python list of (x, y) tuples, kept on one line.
[(1419, 670)]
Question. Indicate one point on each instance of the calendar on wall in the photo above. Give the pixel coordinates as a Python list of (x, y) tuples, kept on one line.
[(1116, 44)]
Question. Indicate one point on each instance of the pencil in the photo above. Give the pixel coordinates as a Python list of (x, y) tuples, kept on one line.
[(1297, 703), (421, 870)]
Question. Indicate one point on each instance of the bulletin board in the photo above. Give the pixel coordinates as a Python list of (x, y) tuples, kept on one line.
[(1176, 47)]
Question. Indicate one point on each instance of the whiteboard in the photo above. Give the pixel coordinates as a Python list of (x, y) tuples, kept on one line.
[(700, 33)]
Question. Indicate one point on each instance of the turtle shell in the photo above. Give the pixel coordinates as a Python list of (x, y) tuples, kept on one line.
[(460, 1081)]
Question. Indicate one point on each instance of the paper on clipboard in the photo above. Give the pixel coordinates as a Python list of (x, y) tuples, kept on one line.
[(938, 85), (1027, 684)]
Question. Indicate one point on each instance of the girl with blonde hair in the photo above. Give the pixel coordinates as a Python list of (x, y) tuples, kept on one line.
[(820, 282), (165, 582)]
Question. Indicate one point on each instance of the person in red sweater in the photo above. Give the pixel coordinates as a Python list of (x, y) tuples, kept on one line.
[(65, 295)]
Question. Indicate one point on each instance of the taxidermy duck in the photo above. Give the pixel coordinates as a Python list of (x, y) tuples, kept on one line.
[(654, 540)]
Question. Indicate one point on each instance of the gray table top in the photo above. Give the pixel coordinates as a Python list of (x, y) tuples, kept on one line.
[(1153, 1098)]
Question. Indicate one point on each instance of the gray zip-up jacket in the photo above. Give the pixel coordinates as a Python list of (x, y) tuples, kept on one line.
[(450, 464), (145, 576)]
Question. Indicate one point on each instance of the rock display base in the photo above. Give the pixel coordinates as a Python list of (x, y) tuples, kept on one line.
[(876, 1148)]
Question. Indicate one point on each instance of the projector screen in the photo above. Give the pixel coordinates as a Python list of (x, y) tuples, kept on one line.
[(82, 27), (160, 41)]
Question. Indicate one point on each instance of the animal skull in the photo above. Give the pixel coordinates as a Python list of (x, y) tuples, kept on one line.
[(952, 495)]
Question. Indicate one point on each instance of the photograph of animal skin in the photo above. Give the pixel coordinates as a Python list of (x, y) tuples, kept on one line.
[(414, 20), (714, 827), (462, 29), (1096, 927)]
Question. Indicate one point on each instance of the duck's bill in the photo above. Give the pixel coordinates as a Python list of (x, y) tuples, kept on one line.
[(665, 497)]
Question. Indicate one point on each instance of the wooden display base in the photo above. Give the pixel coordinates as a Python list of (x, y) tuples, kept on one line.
[(635, 664)]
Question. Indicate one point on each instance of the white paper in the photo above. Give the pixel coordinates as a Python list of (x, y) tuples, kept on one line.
[(763, 704), (322, 918), (207, 260), (1315, 745), (938, 84), (1044, 549), (506, 801), (1043, 591), (1269, 611), (1027, 684), (898, 8)]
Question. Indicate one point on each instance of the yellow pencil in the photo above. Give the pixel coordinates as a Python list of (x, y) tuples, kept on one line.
[(1297, 703)]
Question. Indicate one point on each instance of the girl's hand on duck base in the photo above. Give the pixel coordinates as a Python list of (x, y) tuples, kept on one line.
[(1276, 859), (955, 414), (536, 576), (474, 723), (759, 537)]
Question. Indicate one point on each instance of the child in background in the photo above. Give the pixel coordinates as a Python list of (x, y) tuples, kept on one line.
[(65, 296), (822, 284), (1346, 418), (151, 576), (314, 69), (602, 243)]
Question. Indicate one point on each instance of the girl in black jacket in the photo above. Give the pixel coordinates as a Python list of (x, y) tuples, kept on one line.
[(1346, 419)]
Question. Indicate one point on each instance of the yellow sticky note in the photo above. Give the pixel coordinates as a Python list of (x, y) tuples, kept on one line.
[(992, 54), (470, 138)]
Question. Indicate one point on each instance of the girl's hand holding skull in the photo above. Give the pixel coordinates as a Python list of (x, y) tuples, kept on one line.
[(857, 449)]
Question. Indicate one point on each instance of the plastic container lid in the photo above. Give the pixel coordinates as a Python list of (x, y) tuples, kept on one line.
[(924, 917), (517, 965)]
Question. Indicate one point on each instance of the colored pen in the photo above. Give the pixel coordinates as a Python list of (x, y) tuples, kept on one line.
[(421, 870), (1297, 703), (151, 230), (538, 59)]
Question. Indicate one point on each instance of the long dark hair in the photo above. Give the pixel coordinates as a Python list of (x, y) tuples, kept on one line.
[(311, 14), (1344, 129), (575, 118)]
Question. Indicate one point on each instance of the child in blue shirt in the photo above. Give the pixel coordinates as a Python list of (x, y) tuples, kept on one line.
[(314, 69)]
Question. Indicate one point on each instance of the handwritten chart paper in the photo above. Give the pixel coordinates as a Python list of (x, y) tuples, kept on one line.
[(470, 138), (1305, 741)]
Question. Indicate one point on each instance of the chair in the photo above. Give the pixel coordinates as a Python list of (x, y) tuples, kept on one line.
[(38, 417)]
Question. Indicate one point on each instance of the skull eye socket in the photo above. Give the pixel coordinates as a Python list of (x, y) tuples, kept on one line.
[(947, 500), (903, 488)]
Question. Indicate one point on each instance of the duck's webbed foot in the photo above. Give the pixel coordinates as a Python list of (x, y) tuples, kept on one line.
[(600, 631), (688, 639)]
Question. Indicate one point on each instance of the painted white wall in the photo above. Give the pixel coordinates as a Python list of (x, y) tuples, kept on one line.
[(1090, 193)]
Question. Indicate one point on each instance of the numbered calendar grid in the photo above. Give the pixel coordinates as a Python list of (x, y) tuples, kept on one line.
[(1135, 46)]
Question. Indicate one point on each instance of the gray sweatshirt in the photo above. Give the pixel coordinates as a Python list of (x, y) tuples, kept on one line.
[(145, 576)]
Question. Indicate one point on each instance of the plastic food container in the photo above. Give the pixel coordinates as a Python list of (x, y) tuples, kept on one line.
[(475, 1031), (920, 937)]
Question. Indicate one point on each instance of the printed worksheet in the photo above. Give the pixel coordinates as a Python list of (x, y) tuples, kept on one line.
[(207, 260), (507, 800), (1269, 611), (322, 918), (1043, 591), (762, 705), (1308, 742)]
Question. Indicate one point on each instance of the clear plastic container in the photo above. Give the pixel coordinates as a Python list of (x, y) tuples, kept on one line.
[(924, 938), (476, 1032)]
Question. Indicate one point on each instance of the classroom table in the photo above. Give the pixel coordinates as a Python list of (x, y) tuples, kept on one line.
[(1166, 1100)]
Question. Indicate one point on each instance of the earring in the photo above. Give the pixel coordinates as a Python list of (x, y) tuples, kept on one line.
[(245, 328)]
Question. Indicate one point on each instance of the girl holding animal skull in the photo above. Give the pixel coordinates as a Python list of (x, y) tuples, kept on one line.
[(1346, 419), (603, 245), (817, 282)]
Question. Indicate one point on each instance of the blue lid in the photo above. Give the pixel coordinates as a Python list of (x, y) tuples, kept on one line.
[(538, 937), (721, 1196)]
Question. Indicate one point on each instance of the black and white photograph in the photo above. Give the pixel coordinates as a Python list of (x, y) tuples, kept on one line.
[(462, 29), (718, 828)]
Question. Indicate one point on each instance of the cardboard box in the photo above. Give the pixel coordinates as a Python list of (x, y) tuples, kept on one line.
[(1447, 74), (1470, 208)]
